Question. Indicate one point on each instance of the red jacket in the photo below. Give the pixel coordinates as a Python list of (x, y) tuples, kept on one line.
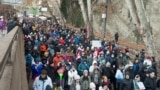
[(61, 41)]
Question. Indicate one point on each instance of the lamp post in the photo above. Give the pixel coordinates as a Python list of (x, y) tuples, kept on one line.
[(104, 22), (104, 17)]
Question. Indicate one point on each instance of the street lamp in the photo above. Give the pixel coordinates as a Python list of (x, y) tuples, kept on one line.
[(104, 22), (104, 17)]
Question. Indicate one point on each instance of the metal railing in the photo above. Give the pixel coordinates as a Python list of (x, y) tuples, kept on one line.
[(12, 62)]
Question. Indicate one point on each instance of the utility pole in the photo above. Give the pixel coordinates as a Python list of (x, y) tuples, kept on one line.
[(104, 16)]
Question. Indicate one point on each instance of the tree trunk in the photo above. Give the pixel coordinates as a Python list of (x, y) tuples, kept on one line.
[(85, 18), (135, 20), (51, 12), (89, 9), (145, 28), (59, 12), (90, 26), (132, 9), (83, 10)]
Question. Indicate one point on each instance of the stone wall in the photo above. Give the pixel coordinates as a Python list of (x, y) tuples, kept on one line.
[(119, 19)]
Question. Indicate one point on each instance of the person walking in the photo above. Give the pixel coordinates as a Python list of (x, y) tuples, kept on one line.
[(43, 82), (116, 37)]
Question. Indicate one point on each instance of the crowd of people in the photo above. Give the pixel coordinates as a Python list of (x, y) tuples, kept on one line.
[(57, 56)]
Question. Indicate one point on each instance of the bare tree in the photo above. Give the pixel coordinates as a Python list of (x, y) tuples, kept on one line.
[(89, 9), (83, 10), (139, 18), (45, 3), (132, 9), (57, 6), (90, 17), (87, 18)]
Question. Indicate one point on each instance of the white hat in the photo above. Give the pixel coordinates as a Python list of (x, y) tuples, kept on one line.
[(77, 77), (92, 85), (1, 16), (94, 62), (108, 64)]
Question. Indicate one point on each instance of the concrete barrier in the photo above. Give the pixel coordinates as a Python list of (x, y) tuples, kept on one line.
[(12, 61)]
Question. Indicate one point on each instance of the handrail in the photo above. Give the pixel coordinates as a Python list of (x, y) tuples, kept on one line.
[(12, 61), (5, 48)]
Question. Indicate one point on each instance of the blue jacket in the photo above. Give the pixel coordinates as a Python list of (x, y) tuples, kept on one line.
[(36, 69), (76, 40), (29, 59)]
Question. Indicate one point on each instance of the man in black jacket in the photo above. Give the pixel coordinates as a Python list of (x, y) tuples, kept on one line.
[(116, 36), (150, 82), (127, 83)]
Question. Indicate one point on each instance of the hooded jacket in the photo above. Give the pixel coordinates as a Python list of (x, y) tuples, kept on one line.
[(29, 59), (150, 83), (57, 60), (127, 84), (82, 67), (91, 69), (85, 81), (71, 76), (42, 84)]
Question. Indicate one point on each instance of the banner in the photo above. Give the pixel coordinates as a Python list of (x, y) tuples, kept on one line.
[(96, 43), (12, 2)]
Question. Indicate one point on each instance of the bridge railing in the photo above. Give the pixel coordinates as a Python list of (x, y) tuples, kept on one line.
[(12, 61)]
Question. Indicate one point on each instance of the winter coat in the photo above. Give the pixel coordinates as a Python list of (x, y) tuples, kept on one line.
[(76, 86), (85, 81), (36, 70), (135, 69), (126, 85), (42, 84), (82, 67), (54, 34), (96, 77), (142, 74), (2, 25), (101, 59), (108, 72), (119, 75), (71, 75), (112, 60), (29, 59), (76, 40), (107, 58), (150, 83), (91, 68), (61, 41), (57, 60)]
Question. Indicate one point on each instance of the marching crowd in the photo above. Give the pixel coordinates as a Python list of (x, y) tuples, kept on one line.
[(57, 56)]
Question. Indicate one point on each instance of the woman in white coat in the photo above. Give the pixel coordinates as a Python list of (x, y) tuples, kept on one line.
[(43, 82), (71, 76)]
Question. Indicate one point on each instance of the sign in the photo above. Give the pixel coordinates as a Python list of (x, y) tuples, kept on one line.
[(103, 15), (44, 9), (96, 43), (12, 2), (43, 17)]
